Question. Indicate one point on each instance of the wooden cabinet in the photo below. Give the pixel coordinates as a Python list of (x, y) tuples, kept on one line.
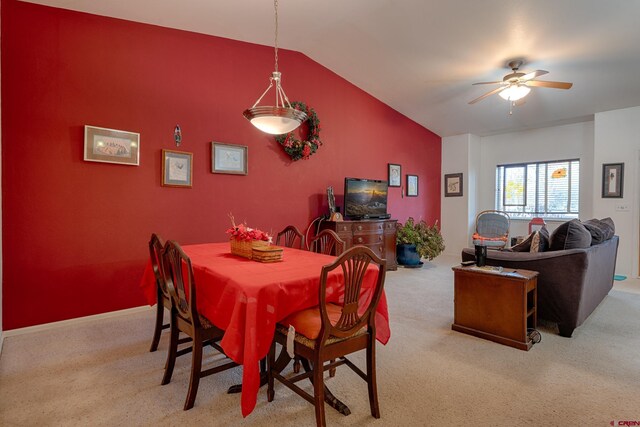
[(377, 234), (500, 307)]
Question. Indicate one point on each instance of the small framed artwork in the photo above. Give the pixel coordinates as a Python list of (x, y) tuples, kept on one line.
[(111, 146), (177, 168), (453, 185), (395, 175), (229, 158), (412, 185), (612, 180)]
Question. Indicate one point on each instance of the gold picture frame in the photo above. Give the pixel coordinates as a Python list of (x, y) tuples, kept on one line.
[(111, 146), (177, 169)]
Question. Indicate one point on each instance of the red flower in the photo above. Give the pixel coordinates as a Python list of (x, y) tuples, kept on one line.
[(306, 151)]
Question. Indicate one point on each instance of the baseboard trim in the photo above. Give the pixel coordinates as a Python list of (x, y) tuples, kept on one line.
[(76, 321)]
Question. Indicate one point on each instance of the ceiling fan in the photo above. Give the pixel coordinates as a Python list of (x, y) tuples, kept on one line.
[(517, 85)]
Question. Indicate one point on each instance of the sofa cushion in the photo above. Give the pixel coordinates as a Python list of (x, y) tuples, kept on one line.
[(600, 230), (570, 235)]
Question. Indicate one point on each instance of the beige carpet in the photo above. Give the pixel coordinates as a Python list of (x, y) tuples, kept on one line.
[(100, 372)]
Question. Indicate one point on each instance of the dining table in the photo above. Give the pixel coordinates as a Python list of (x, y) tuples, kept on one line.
[(247, 299)]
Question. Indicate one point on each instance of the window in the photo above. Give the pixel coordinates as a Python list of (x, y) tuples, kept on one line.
[(545, 189)]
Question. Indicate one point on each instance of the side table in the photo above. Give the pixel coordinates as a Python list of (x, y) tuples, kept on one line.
[(498, 306)]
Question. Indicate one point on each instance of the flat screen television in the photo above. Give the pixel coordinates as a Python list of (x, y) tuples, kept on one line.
[(365, 198)]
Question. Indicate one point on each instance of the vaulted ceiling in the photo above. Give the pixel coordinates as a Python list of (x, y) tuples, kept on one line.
[(421, 56)]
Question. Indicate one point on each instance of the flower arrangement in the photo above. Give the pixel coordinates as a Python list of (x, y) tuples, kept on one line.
[(296, 148), (244, 239), (242, 232)]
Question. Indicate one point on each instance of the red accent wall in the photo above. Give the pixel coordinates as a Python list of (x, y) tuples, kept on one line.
[(75, 233)]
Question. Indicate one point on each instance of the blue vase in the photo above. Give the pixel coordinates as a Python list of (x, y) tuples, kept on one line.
[(407, 255)]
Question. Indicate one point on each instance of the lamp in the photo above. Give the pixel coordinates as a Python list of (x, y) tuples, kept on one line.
[(281, 117), (514, 92)]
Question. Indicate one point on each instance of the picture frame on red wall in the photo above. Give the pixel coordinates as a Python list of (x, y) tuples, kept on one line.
[(177, 169), (412, 185), (395, 175), (111, 146)]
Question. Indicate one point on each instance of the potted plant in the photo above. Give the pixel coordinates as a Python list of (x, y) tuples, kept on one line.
[(418, 240)]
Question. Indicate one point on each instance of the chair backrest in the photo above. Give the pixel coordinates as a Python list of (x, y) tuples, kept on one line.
[(180, 281), (327, 242), (289, 236), (354, 263), (492, 224), (155, 253), (536, 224)]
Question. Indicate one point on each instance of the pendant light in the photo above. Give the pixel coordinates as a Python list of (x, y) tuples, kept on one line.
[(279, 118)]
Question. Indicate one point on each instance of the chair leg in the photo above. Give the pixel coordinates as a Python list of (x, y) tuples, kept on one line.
[(318, 393), (171, 354), (196, 367), (371, 378), (296, 365), (332, 371), (271, 359), (158, 328)]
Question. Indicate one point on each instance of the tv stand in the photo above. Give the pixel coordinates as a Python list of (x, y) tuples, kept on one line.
[(377, 234)]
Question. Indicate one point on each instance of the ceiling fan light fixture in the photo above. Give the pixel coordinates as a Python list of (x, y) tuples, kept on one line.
[(515, 92), (279, 118)]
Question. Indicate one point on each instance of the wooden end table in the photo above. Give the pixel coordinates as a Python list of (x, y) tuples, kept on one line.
[(498, 306)]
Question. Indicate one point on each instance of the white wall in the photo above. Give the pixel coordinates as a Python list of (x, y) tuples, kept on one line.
[(617, 140), (460, 153), (552, 143)]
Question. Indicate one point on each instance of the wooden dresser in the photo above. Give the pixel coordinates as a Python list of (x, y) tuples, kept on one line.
[(377, 234)]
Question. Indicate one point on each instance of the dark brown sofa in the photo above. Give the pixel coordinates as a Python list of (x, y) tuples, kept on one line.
[(571, 283)]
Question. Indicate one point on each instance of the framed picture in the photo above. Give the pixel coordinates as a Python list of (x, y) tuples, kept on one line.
[(228, 158), (412, 185), (395, 175), (453, 185), (111, 146), (177, 168), (612, 180)]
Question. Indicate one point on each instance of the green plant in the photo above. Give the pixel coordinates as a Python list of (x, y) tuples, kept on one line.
[(427, 238)]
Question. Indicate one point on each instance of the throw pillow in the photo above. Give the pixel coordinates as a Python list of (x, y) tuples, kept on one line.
[(600, 230), (535, 242), (525, 245), (541, 242), (611, 227), (570, 235)]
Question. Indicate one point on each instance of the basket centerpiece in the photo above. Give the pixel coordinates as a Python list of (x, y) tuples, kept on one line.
[(243, 239)]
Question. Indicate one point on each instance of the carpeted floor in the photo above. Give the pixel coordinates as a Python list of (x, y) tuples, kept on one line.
[(100, 372)]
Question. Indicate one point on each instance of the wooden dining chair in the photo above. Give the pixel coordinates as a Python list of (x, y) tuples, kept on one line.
[(334, 330), (163, 297), (185, 318), (327, 242), (289, 236)]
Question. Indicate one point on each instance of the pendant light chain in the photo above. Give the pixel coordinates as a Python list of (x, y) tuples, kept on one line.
[(275, 5)]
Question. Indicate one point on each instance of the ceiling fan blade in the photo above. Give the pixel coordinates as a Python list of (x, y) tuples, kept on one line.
[(554, 85), (488, 83), (500, 89), (533, 75)]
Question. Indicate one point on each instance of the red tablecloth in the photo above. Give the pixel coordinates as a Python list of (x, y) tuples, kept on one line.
[(247, 298)]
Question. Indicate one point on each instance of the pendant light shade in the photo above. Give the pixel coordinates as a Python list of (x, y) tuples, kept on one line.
[(279, 118)]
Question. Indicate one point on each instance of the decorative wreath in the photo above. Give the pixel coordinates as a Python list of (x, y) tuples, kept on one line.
[(296, 148)]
